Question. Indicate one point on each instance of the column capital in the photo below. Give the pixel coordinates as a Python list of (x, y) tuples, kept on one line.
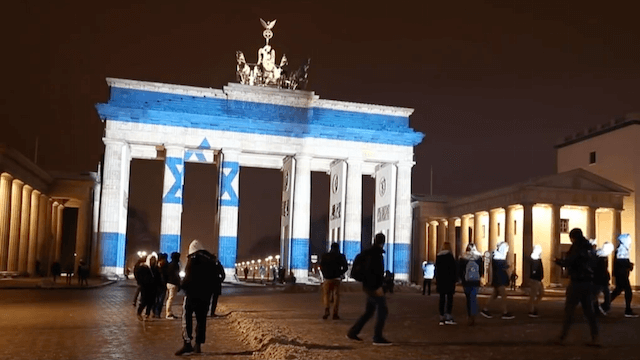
[(303, 156), (110, 141), (18, 182), (405, 164), (6, 176)]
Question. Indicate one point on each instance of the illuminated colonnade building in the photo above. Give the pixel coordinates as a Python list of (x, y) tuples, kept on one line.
[(593, 190), (33, 204)]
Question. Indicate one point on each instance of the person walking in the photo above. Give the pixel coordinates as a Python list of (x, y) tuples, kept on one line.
[(471, 271), (536, 274), (579, 262), (428, 272), (148, 286), (622, 266), (333, 265), (217, 285), (173, 283), (161, 294), (372, 287), (446, 278), (601, 278), (136, 267), (500, 279), (198, 285)]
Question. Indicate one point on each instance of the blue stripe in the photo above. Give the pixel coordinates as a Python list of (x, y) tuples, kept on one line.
[(112, 246), (227, 251), (130, 105), (169, 243), (388, 256), (300, 254), (351, 249), (401, 258), (227, 184)]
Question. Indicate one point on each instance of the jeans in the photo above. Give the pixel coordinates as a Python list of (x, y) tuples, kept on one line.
[(331, 292), (622, 283), (471, 292), (426, 284), (373, 301), (160, 296), (172, 290), (579, 292), (200, 308), (446, 298), (498, 291)]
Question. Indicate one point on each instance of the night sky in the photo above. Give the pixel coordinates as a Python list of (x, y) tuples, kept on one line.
[(494, 84)]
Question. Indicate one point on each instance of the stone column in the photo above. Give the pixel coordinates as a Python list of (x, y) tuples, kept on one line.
[(82, 232), (33, 233), (477, 232), (171, 218), (353, 209), (591, 223), (433, 241), (25, 214), (509, 229), (43, 204), (301, 218), (451, 236), (617, 226), (527, 242), (46, 257), (554, 273), (95, 227), (14, 230), (493, 229), (58, 232), (114, 206), (5, 218), (464, 233), (442, 234), (402, 238), (229, 204)]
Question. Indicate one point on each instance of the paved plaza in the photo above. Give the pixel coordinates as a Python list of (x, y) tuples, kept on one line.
[(285, 323)]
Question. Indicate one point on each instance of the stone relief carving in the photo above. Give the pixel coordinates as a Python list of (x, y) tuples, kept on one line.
[(266, 72)]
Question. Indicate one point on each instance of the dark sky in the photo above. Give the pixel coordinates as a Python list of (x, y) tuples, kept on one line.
[(494, 84)]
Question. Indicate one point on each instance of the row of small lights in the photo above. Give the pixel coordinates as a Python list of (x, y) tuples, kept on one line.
[(252, 264)]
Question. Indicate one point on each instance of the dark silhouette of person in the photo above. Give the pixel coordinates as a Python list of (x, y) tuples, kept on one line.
[(333, 265), (217, 285)]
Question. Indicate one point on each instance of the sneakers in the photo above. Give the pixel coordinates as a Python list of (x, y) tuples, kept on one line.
[(534, 314), (353, 337), (441, 322), (486, 314), (507, 316), (601, 310), (197, 349), (186, 349), (630, 314), (450, 322), (172, 317), (381, 342)]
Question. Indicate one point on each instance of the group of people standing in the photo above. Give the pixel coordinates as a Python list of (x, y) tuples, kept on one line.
[(159, 281)]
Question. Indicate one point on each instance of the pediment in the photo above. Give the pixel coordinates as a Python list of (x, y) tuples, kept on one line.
[(579, 179)]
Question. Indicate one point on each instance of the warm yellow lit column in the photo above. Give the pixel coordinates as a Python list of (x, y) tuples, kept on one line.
[(5, 216), (493, 229), (433, 241), (43, 205), (591, 223), (508, 229), (451, 235), (25, 215), (58, 233), (14, 228), (33, 232), (617, 226), (442, 234), (554, 273), (527, 241), (477, 232), (464, 233)]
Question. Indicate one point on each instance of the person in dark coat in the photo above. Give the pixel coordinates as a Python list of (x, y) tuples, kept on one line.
[(579, 262), (173, 283), (500, 280), (372, 287), (471, 271), (136, 267), (622, 266), (601, 279), (198, 285), (161, 294), (536, 274), (146, 278), (446, 278), (217, 288), (333, 265)]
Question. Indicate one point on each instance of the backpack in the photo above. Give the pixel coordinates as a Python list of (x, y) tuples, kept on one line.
[(472, 271), (359, 267)]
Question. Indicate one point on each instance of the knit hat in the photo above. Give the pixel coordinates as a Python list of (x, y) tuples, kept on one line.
[(195, 246)]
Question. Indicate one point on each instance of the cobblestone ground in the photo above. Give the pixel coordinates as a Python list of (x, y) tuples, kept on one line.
[(101, 324), (97, 324)]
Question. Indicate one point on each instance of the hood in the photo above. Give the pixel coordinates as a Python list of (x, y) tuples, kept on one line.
[(175, 256), (153, 255), (442, 252), (424, 264), (501, 251), (605, 250), (537, 251), (624, 240), (470, 255), (195, 246)]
